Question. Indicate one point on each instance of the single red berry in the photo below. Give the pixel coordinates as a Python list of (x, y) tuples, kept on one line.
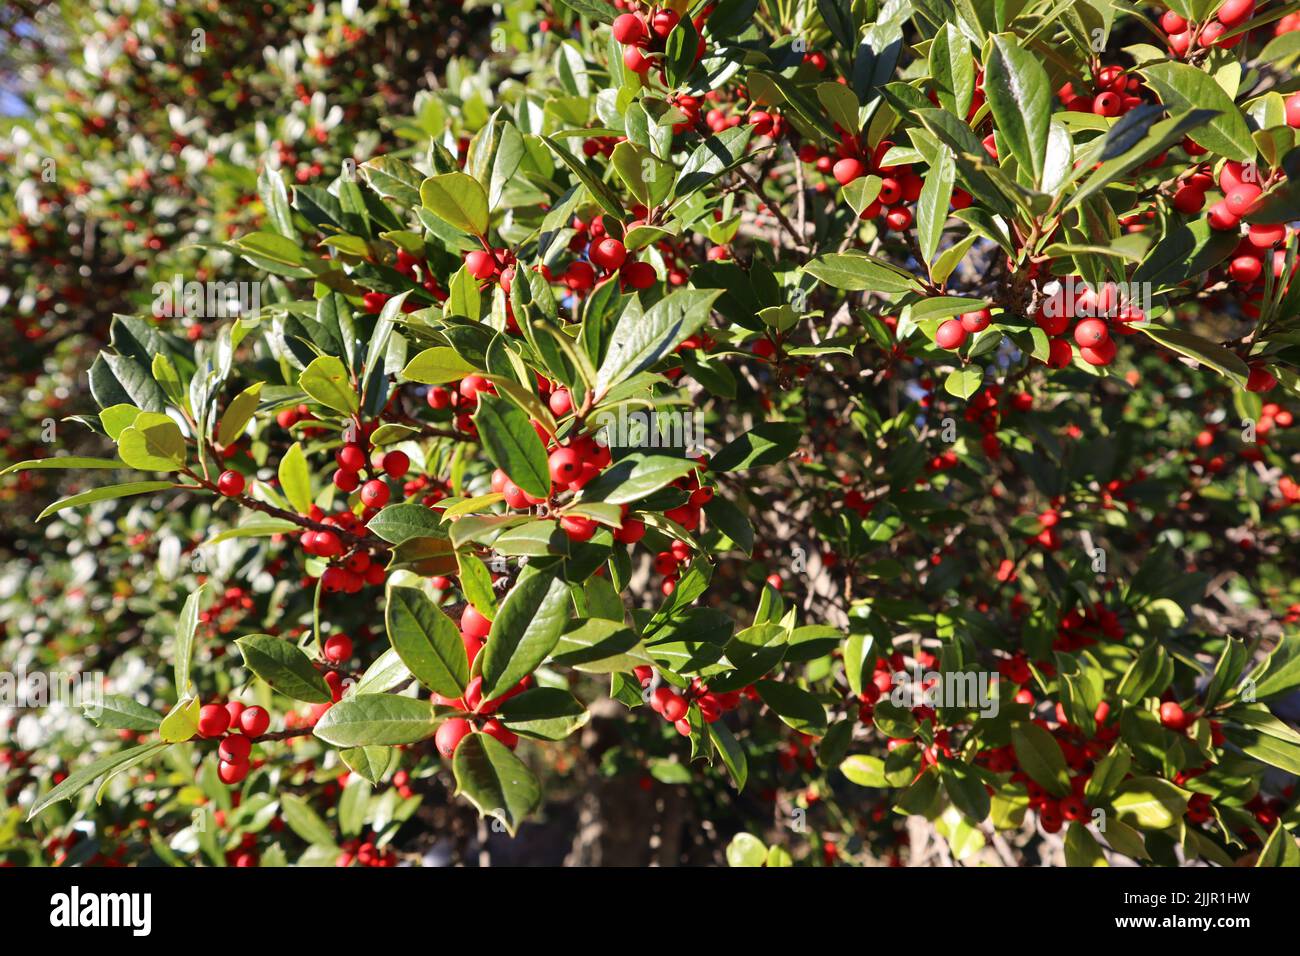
[(230, 483), (351, 456), (232, 773), (474, 624), (950, 335), (213, 720), (338, 649), (607, 253), (254, 721), (449, 735), (234, 749), (1173, 716), (629, 29), (396, 464), (374, 493), (480, 264)]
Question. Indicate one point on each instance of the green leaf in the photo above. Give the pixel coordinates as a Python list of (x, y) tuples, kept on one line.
[(427, 641), (932, 206), (327, 381), (367, 720), (1184, 87), (1081, 847), (732, 754), (304, 821), (952, 64), (1039, 755), (393, 179), (642, 339), (105, 493), (1222, 360), (745, 849), (512, 443), (458, 199), (546, 713), (78, 780), (238, 414), (1280, 850), (153, 443), (864, 770), (647, 177), (1020, 95), (1150, 802), (768, 443), (712, 158), (526, 630), (284, 667), (476, 584), (436, 366), (181, 722), (371, 763), (187, 624), (632, 478), (794, 705), (497, 782), (67, 461), (854, 272), (398, 524), (118, 712), (295, 479), (966, 790)]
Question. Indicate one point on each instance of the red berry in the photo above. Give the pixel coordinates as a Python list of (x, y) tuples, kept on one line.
[(629, 29), (374, 493), (234, 749), (847, 170), (565, 465), (494, 728), (449, 735), (213, 720), (396, 464), (578, 527), (608, 253), (346, 481), (663, 22), (1091, 332), (1234, 12), (232, 773), (1260, 379), (1173, 716), (674, 707), (351, 457), (230, 483), (950, 335), (976, 321), (474, 624), (639, 275), (480, 264), (254, 721), (338, 649)]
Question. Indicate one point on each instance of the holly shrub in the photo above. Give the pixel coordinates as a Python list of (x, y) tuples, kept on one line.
[(766, 432)]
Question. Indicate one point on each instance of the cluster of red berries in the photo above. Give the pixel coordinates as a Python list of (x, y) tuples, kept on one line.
[(882, 682), (460, 400), (474, 630), (673, 706), (606, 255), (899, 185), (1114, 93), (952, 333), (243, 724), (1100, 314), (286, 418), (640, 35), (1183, 36), (365, 853), (227, 610)]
